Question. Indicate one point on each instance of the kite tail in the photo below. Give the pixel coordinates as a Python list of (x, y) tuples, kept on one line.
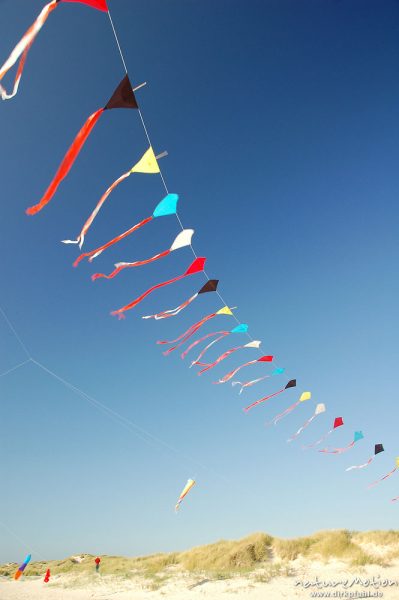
[(319, 441), (264, 399), (395, 499), (67, 162), (306, 424), (201, 354), (97, 251), (187, 334), (337, 450), (120, 311), (286, 412), (22, 48), (172, 312), (370, 460), (231, 374), (124, 265), (248, 383), (382, 478), (81, 237), (217, 361)]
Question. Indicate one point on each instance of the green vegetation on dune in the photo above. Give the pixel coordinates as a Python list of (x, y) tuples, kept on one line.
[(259, 553)]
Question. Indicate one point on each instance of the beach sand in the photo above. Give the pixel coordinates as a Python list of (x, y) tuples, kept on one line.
[(301, 583)]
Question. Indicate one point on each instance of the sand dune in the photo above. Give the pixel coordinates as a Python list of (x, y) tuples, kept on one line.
[(336, 564)]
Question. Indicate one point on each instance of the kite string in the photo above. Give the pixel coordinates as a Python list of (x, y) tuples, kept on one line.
[(124, 421), (14, 331), (16, 367), (141, 433), (28, 547), (163, 178)]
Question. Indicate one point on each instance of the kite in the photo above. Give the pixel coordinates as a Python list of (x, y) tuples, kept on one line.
[(196, 267), (304, 396), (193, 329), (242, 328), (182, 240), (276, 371), (166, 207), (253, 344), (22, 48), (231, 374), (97, 561), (123, 97), (357, 436), (22, 568), (47, 576), (290, 384), (147, 164), (190, 483), (377, 449), (320, 408), (387, 475), (338, 422), (210, 286)]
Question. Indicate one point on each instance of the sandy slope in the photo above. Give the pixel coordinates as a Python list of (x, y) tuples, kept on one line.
[(185, 587)]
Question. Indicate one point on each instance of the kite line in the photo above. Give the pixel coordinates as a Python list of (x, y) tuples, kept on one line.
[(162, 176)]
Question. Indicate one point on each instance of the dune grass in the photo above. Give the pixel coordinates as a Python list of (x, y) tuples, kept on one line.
[(260, 554)]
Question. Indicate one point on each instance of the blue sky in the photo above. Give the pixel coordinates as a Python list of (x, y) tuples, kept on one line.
[(280, 120)]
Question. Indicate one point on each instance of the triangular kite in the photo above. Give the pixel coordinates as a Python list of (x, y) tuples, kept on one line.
[(377, 449), (320, 408), (210, 286), (290, 384), (304, 396), (358, 435), (338, 422), (147, 164), (196, 267), (182, 240), (166, 207), (123, 97)]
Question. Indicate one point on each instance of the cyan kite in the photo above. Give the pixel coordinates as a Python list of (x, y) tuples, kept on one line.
[(358, 435), (166, 207)]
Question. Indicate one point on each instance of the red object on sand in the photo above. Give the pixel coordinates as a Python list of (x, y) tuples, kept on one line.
[(47, 576), (97, 560)]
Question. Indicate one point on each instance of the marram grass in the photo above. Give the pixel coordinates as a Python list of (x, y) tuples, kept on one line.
[(257, 553)]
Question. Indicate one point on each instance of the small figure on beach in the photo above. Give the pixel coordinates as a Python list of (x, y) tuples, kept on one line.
[(97, 561)]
